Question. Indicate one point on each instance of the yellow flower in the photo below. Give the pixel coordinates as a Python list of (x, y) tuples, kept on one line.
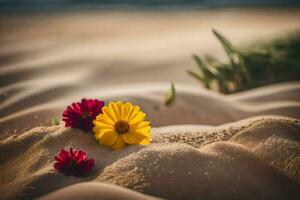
[(120, 124)]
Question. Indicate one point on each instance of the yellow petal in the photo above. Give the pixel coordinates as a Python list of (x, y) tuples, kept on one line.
[(140, 116), (107, 138), (130, 138), (138, 121), (99, 130), (109, 114), (105, 119), (119, 143), (114, 110), (144, 141), (120, 109), (102, 124), (96, 129), (142, 131), (133, 112), (141, 124), (136, 138), (127, 108)]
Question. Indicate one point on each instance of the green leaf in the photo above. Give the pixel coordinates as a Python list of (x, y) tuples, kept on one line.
[(170, 96), (226, 44), (199, 77), (53, 121), (201, 65), (228, 48), (260, 64), (195, 75), (212, 69), (235, 57)]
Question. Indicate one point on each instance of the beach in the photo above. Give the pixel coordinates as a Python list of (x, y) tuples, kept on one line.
[(205, 145)]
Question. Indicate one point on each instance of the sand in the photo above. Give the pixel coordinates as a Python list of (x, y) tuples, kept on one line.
[(91, 190), (254, 158), (204, 146)]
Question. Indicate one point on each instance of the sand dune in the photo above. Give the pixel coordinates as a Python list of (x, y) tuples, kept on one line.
[(195, 105), (91, 190), (231, 161), (204, 146), (50, 60), (276, 92), (62, 57), (217, 171), (257, 157)]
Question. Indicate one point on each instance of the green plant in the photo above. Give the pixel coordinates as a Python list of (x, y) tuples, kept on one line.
[(54, 121), (170, 96), (271, 62)]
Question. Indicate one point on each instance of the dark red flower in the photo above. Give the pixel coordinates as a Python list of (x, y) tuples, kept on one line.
[(73, 162), (81, 114)]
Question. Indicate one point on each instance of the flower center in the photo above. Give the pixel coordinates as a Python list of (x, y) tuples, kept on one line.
[(85, 114), (74, 164), (122, 127)]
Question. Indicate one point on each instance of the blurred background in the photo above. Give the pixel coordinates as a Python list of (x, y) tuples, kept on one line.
[(13, 5), (59, 51)]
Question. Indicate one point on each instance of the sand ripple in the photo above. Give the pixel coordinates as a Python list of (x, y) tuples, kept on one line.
[(253, 158)]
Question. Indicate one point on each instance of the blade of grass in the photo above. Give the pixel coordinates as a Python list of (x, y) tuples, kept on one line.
[(170, 96), (54, 121), (228, 48), (260, 64), (202, 67), (235, 57), (199, 77)]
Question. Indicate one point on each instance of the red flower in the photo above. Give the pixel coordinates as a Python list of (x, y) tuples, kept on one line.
[(81, 114), (73, 162)]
